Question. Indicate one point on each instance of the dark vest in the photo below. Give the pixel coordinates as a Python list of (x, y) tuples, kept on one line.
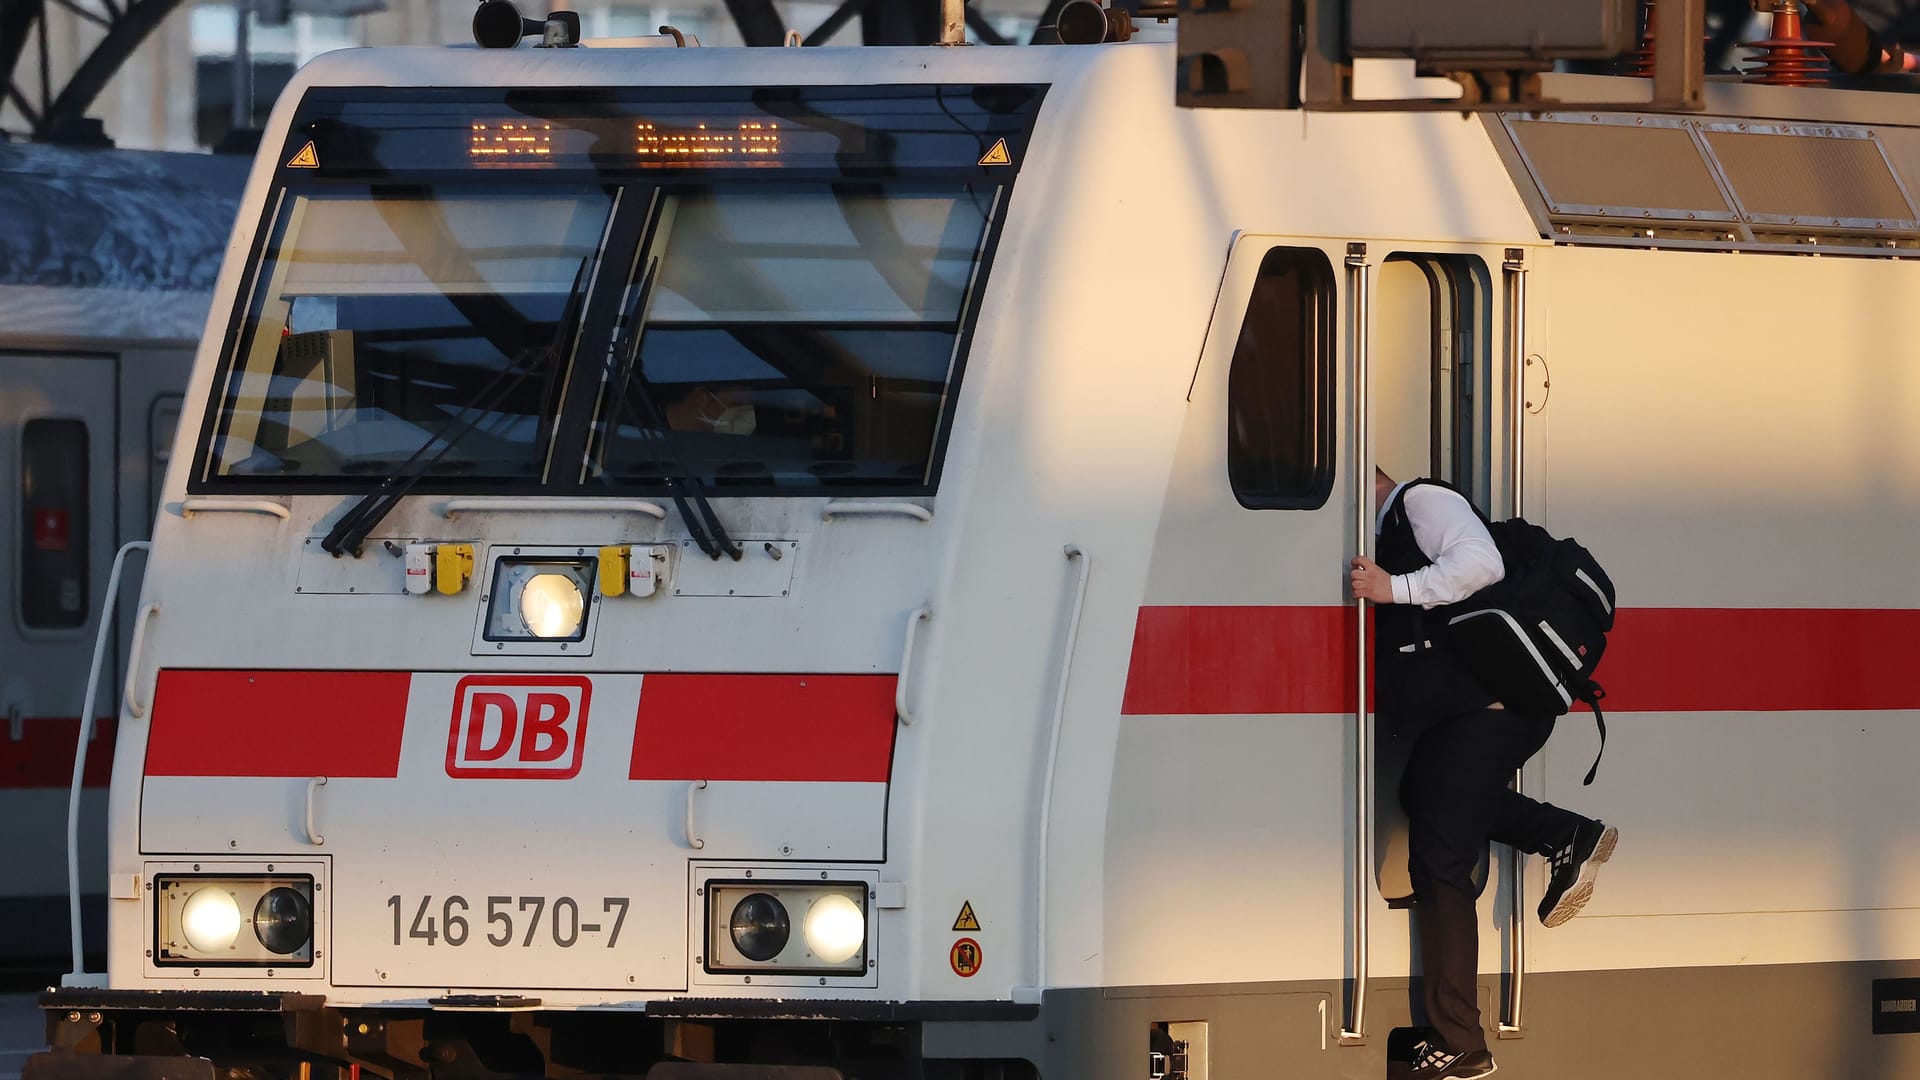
[(1417, 681)]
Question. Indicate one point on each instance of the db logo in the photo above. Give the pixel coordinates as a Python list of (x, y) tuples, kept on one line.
[(530, 727)]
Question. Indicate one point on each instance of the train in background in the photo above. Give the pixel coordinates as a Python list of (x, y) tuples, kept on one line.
[(107, 264), (804, 564)]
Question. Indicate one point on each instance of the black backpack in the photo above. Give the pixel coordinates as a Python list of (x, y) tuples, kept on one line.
[(1533, 639)]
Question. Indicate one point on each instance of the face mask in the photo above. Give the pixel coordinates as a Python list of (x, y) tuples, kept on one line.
[(733, 420)]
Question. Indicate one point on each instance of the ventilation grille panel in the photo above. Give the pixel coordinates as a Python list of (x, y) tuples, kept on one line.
[(1654, 179), (1780, 175), (1632, 170)]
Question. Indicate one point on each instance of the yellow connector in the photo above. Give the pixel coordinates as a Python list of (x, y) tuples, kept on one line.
[(613, 570), (452, 567)]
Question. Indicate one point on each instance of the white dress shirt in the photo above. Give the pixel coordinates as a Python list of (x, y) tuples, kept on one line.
[(1450, 534)]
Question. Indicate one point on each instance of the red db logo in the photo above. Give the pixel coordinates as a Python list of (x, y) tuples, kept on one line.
[(529, 727)]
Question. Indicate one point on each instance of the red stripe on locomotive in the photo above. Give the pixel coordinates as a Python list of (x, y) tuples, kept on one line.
[(278, 723), (829, 728), (1190, 661)]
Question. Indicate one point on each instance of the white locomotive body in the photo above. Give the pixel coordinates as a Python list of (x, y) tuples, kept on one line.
[(1019, 737)]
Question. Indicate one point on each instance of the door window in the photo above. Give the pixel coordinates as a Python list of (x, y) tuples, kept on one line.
[(52, 588)]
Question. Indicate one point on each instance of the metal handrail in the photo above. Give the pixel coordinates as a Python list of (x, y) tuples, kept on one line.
[(845, 508), (1514, 275), (80, 750), (313, 828), (1073, 553), (191, 507), (1362, 870), (552, 506), (900, 706), (694, 840), (136, 707)]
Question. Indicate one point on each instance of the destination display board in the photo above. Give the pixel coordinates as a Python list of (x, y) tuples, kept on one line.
[(372, 131)]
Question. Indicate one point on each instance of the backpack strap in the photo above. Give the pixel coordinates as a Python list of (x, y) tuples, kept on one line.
[(1428, 481), (1592, 694)]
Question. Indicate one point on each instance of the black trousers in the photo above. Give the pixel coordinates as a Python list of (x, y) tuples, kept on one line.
[(1456, 797)]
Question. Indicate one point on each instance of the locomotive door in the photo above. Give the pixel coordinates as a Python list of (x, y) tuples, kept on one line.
[(1429, 366), (56, 507), (1442, 329)]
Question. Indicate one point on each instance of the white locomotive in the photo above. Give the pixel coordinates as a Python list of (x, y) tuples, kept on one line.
[(802, 563)]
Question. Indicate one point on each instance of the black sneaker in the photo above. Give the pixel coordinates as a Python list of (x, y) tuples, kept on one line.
[(1572, 870), (1431, 1061)]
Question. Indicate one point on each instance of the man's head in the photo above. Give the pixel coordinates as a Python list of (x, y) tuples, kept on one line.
[(1383, 486)]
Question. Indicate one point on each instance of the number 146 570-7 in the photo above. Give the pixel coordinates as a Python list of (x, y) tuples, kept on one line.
[(505, 921)]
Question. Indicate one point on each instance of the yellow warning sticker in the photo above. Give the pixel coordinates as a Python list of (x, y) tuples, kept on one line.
[(307, 158), (966, 920), (998, 155), (965, 956)]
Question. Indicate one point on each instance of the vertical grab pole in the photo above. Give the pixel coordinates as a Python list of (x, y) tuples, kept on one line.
[(80, 750), (1363, 514), (1514, 275), (1084, 566)]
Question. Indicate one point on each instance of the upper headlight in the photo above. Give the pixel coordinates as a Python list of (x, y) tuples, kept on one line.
[(210, 919), (551, 605), (539, 599)]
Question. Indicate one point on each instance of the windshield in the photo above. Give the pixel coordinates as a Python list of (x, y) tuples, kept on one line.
[(382, 318), (760, 291), (799, 337)]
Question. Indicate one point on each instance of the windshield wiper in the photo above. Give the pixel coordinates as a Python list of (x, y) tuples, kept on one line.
[(350, 532), (682, 485)]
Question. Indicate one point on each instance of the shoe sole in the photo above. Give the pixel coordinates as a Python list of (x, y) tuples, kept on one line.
[(1582, 891), (1492, 1067)]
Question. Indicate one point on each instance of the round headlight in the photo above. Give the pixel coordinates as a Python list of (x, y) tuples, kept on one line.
[(836, 928), (759, 926), (552, 605), (283, 921), (210, 919)]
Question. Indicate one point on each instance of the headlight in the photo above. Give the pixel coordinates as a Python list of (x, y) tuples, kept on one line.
[(539, 599), (749, 928), (210, 919), (283, 920), (759, 927), (198, 920), (835, 928)]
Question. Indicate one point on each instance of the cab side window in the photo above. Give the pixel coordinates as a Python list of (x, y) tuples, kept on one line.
[(1280, 448)]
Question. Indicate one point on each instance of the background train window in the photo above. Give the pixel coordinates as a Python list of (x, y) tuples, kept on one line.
[(794, 336), (382, 320), (54, 524), (1280, 387)]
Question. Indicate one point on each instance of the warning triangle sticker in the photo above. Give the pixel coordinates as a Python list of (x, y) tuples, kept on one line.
[(998, 155), (966, 921), (307, 158)]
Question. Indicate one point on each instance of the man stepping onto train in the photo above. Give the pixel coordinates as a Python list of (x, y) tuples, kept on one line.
[(1432, 550)]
